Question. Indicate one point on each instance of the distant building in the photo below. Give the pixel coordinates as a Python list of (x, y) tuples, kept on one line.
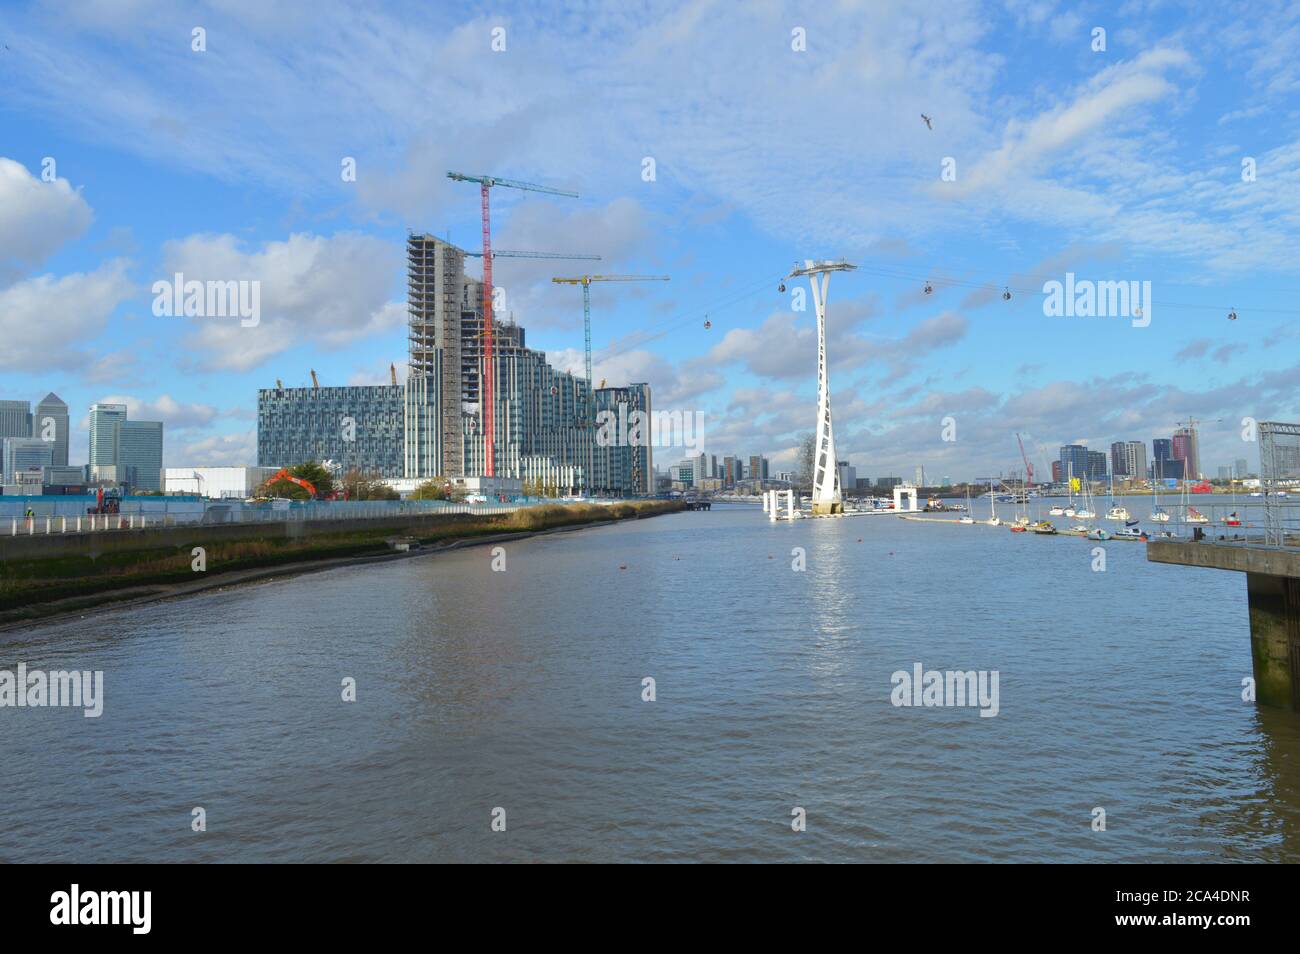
[(1240, 468), (848, 475), (216, 482), (1074, 461), (1186, 447), (758, 468), (1096, 465), (50, 423), (624, 468), (140, 452), (1128, 459), (15, 419), (358, 428), (25, 455), (125, 451), (1057, 474), (104, 422), (889, 482)]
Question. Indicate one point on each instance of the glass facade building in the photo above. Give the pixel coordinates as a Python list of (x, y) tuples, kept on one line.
[(357, 428)]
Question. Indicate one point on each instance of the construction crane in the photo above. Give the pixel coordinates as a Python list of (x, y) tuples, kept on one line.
[(1029, 468), (585, 281), (314, 383), (485, 184), (503, 253)]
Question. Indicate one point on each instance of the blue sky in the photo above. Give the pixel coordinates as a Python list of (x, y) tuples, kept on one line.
[(1122, 164)]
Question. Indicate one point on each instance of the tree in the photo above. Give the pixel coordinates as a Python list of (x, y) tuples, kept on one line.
[(436, 489), (361, 486)]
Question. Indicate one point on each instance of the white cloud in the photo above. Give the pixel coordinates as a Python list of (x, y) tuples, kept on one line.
[(36, 217), (49, 322), (314, 290), (175, 415)]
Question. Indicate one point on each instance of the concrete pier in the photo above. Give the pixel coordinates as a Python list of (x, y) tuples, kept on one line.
[(1273, 593)]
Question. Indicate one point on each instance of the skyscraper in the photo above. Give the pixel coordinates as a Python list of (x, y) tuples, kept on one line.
[(437, 297), (1074, 461), (1128, 459), (1186, 447), (23, 454), (1162, 451), (1096, 465), (124, 450), (50, 423), (104, 421), (140, 452), (15, 419)]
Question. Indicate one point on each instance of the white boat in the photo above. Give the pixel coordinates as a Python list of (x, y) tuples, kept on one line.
[(1116, 512), (1195, 516), (1130, 533), (1057, 511), (1070, 512), (993, 520), (1160, 515), (1079, 528)]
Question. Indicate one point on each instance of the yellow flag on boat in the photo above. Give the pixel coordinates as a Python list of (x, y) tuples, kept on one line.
[(1074, 483)]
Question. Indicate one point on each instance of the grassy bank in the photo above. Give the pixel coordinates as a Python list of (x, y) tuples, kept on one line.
[(28, 583)]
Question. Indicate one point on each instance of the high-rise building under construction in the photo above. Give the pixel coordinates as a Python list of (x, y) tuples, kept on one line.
[(437, 296)]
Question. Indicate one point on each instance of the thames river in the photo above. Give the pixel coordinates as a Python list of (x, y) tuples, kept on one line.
[(519, 695)]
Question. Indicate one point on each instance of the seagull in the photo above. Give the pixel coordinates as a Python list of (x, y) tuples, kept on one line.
[(927, 121)]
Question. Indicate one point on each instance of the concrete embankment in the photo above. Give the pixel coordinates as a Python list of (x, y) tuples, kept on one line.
[(44, 576)]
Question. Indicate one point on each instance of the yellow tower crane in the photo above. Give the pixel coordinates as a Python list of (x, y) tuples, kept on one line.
[(585, 281)]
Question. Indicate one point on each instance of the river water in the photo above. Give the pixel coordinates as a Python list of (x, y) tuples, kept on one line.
[(521, 690)]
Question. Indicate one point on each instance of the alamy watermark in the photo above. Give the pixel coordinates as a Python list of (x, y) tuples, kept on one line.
[(951, 687), (59, 688), (637, 428), (177, 298), (1088, 299)]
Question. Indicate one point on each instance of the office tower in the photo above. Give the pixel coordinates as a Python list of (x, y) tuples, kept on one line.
[(140, 453), (1162, 451), (1057, 474), (15, 419), (23, 454), (1096, 466), (50, 423), (104, 423), (1240, 468), (1074, 461), (848, 474)]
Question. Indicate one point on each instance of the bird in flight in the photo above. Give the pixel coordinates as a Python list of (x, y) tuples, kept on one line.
[(927, 121)]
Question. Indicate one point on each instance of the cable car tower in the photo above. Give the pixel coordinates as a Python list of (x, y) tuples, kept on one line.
[(826, 494)]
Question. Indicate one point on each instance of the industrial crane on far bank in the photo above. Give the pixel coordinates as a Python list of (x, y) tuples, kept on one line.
[(585, 281)]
